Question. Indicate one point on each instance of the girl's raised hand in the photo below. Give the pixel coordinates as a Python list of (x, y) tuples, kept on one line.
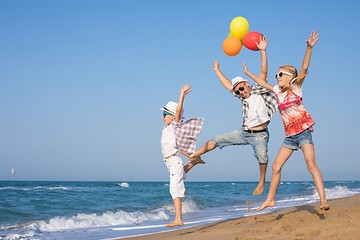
[(185, 89), (263, 42), (313, 39)]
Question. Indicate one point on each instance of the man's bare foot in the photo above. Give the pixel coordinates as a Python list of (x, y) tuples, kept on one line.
[(191, 158), (259, 189), (266, 204), (197, 160), (324, 206), (175, 223)]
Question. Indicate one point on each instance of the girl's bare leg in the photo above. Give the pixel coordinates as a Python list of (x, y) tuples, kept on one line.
[(309, 155), (178, 214), (282, 157)]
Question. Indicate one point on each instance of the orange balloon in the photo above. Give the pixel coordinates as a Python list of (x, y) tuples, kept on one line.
[(231, 46)]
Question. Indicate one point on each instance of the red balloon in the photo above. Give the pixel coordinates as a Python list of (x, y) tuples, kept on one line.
[(250, 38), (232, 46)]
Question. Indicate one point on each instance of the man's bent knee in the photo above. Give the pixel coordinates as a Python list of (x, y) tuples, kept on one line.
[(210, 145), (261, 156)]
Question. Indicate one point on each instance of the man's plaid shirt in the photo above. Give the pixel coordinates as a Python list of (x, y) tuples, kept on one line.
[(268, 96)]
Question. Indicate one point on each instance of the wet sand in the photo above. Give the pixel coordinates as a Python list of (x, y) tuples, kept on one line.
[(301, 222)]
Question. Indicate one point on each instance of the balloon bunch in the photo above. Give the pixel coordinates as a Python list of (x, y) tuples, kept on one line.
[(239, 36)]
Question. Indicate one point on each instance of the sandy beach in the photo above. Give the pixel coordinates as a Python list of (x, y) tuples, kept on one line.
[(299, 222)]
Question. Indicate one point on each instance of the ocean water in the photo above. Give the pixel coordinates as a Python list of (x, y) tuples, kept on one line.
[(108, 210)]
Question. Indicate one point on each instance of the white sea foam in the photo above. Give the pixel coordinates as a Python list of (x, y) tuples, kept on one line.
[(20, 189), (124, 184), (92, 220), (188, 206), (61, 188), (35, 188), (339, 192), (8, 188), (14, 236), (334, 192), (162, 225), (331, 193), (30, 189)]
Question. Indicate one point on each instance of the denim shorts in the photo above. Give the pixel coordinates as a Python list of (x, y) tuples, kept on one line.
[(258, 141), (298, 140)]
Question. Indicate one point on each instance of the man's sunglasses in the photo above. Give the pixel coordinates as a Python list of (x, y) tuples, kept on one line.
[(237, 92), (280, 74)]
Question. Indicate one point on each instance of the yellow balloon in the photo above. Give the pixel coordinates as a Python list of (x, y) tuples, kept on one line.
[(239, 26)]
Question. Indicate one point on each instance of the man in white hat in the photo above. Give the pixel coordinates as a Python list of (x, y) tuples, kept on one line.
[(258, 107)]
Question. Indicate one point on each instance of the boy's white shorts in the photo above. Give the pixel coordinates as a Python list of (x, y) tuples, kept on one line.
[(175, 167)]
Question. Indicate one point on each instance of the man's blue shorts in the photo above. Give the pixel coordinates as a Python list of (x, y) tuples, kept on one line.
[(258, 141)]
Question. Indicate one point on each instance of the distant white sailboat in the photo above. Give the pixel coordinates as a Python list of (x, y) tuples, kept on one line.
[(12, 171)]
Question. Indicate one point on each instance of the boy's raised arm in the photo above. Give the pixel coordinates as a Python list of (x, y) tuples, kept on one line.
[(184, 90)]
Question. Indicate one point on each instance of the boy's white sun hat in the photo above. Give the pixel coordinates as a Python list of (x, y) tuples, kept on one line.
[(235, 81), (170, 107)]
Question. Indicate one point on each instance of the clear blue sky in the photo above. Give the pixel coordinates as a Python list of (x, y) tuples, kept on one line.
[(81, 84)]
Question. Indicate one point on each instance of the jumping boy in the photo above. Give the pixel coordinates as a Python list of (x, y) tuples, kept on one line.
[(179, 136)]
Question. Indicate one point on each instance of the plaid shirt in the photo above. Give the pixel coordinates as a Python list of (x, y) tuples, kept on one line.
[(186, 133), (268, 96)]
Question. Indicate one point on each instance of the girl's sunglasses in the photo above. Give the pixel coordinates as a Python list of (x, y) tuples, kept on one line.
[(280, 74), (237, 92), (166, 113)]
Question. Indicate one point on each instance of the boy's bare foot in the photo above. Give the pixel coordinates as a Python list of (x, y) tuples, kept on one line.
[(175, 223), (259, 189), (266, 204), (324, 206)]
